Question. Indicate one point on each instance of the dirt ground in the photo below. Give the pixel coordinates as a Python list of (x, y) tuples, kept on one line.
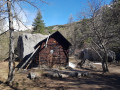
[(95, 81)]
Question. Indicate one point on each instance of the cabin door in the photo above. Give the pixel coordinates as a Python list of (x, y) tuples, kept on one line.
[(53, 56), (50, 58)]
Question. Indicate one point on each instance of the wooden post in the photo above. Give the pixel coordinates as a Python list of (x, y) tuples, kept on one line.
[(39, 58)]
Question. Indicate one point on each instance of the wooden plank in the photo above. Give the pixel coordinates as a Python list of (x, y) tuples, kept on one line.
[(29, 57)]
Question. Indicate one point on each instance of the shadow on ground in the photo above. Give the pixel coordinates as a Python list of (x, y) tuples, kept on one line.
[(95, 81), (5, 85)]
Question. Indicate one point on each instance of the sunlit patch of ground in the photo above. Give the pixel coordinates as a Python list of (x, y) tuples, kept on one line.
[(3, 76)]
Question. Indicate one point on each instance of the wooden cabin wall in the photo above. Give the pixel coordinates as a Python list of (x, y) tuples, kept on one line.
[(44, 55)]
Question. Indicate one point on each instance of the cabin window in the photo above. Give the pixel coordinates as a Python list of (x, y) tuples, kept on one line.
[(54, 41), (51, 51)]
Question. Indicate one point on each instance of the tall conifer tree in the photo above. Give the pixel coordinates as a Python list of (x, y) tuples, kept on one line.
[(38, 24)]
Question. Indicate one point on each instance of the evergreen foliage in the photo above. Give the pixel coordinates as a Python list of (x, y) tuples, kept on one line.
[(38, 24)]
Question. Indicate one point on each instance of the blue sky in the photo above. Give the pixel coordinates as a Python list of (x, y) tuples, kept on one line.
[(57, 12)]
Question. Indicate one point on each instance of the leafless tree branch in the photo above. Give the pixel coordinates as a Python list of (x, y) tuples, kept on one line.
[(4, 32)]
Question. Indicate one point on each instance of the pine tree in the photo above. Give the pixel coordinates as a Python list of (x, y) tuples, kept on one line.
[(38, 24)]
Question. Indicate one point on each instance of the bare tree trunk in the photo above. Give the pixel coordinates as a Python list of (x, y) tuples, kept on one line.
[(105, 67), (11, 45), (103, 59), (104, 63)]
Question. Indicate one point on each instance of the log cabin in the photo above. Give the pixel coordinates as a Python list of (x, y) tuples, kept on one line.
[(53, 50)]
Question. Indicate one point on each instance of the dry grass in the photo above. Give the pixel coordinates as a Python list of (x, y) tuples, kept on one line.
[(95, 81)]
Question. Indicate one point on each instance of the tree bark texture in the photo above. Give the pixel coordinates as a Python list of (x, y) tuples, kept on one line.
[(104, 63), (11, 45)]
